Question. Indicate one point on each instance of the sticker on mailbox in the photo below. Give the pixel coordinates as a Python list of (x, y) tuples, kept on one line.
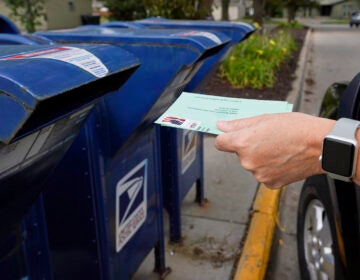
[(189, 144), (205, 34), (131, 204), (75, 56)]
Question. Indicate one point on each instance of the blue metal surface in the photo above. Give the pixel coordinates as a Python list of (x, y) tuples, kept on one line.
[(15, 39), (119, 143), (7, 26), (41, 112)]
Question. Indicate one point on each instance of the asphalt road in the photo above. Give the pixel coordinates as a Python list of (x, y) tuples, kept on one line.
[(333, 55)]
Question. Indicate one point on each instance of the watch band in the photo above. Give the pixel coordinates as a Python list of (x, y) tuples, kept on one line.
[(345, 128)]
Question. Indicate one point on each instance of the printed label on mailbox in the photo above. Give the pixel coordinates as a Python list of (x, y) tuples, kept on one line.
[(75, 56), (205, 34), (189, 142), (131, 204)]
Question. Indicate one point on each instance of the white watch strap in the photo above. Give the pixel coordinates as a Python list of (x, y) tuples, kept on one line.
[(345, 128)]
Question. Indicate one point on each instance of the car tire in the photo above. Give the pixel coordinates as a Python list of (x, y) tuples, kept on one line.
[(316, 238)]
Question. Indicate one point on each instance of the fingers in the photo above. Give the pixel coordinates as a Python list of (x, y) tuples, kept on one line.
[(225, 142), (228, 126)]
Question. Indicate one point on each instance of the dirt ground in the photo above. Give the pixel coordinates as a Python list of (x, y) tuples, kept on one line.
[(284, 78)]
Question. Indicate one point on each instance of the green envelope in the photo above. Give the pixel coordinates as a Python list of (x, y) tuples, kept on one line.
[(200, 112)]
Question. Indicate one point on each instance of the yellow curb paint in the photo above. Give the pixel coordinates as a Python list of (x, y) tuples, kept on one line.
[(255, 255)]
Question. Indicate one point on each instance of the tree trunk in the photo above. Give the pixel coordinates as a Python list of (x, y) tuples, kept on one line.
[(258, 11), (291, 13), (225, 9), (205, 7)]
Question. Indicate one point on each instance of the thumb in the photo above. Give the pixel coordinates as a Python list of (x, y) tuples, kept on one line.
[(228, 126)]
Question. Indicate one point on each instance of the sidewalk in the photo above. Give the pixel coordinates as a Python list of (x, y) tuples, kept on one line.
[(229, 223)]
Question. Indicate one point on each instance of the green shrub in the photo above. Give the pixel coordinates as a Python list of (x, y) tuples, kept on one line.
[(293, 24), (253, 62)]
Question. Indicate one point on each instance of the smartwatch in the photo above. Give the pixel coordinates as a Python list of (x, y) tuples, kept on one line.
[(339, 151)]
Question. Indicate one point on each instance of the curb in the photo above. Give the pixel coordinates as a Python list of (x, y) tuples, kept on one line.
[(256, 251)]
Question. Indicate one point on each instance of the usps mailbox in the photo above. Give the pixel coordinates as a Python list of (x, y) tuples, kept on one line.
[(46, 96), (183, 167), (236, 31), (115, 218)]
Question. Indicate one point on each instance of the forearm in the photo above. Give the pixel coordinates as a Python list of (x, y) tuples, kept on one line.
[(278, 149)]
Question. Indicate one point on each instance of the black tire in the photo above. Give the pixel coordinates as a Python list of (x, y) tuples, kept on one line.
[(315, 197)]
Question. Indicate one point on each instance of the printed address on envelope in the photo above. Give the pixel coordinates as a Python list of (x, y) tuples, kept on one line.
[(200, 112)]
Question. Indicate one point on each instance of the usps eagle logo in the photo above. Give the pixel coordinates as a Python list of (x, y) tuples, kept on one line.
[(173, 120), (131, 204)]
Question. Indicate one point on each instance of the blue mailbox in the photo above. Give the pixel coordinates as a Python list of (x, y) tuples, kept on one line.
[(46, 96), (16, 39), (183, 167), (7, 26), (113, 217), (236, 31)]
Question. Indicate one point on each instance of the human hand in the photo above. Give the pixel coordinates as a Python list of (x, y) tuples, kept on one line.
[(277, 148)]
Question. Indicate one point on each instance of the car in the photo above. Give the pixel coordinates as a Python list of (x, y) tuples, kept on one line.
[(328, 217), (354, 18)]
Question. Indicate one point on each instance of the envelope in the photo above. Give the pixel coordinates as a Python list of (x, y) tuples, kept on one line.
[(200, 112)]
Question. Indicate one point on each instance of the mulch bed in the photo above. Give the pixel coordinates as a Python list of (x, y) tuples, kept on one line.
[(284, 78)]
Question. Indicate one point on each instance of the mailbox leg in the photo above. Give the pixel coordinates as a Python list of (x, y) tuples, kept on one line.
[(175, 223), (200, 181), (159, 249)]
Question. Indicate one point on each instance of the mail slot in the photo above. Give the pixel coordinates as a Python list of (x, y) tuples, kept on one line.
[(46, 96)]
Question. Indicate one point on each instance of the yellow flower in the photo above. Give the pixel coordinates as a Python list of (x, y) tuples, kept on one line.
[(272, 42), (284, 50), (260, 52), (257, 26), (232, 57)]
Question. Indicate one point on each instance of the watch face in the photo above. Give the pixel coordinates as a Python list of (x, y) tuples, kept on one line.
[(338, 157)]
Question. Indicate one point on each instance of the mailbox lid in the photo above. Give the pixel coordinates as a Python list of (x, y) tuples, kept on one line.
[(16, 39), (237, 31), (61, 77), (198, 40)]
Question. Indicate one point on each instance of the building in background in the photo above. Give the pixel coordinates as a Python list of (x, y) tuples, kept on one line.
[(344, 8), (237, 9), (60, 14)]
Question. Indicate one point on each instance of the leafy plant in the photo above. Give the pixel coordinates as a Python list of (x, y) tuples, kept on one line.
[(176, 9), (253, 63), (292, 24), (126, 10), (28, 12)]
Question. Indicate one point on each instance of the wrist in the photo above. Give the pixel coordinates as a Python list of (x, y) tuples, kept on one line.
[(322, 127)]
